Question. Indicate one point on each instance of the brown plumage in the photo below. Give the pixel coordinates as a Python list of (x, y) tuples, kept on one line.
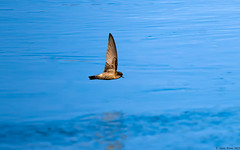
[(110, 70)]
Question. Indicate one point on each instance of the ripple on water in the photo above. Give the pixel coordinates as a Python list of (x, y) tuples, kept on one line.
[(118, 130)]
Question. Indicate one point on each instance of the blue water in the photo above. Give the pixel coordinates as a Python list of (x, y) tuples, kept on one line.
[(180, 60)]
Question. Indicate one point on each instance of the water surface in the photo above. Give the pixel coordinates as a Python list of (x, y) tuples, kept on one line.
[(176, 57)]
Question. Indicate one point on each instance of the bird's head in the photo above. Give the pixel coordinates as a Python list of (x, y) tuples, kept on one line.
[(120, 74)]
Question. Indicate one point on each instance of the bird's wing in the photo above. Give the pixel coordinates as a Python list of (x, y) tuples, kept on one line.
[(111, 57)]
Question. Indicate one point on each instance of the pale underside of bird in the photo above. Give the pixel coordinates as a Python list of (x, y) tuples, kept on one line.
[(110, 70)]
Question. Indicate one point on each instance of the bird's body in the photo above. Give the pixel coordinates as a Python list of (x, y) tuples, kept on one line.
[(107, 76), (110, 70)]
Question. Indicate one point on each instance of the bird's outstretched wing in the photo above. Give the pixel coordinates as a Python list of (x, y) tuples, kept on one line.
[(111, 57)]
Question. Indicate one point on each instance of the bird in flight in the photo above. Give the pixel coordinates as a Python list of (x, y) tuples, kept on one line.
[(110, 70)]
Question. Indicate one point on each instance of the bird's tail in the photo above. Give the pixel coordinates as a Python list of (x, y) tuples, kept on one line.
[(92, 77)]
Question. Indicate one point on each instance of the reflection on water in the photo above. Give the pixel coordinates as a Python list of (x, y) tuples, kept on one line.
[(202, 128), (111, 134)]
